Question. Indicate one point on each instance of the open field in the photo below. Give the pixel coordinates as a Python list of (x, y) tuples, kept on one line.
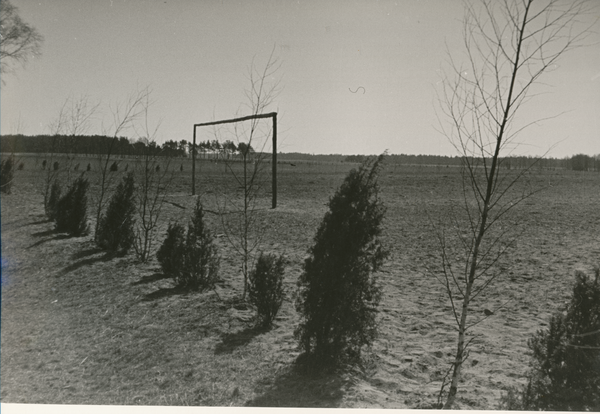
[(80, 327)]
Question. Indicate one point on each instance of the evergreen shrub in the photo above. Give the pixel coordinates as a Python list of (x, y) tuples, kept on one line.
[(53, 199), (265, 287), (190, 258), (115, 232), (71, 209), (565, 367), (338, 291), (7, 172)]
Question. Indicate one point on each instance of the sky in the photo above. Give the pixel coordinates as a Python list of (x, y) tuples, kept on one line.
[(355, 76)]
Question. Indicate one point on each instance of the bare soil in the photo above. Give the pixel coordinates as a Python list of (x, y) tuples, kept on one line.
[(82, 327)]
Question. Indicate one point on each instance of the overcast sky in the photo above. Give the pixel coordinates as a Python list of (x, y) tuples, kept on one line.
[(195, 56)]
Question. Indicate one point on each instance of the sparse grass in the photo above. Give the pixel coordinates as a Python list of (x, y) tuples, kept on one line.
[(81, 327)]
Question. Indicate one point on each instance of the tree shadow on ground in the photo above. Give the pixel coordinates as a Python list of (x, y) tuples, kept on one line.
[(163, 293), (108, 256), (231, 341), (35, 223), (44, 233), (87, 252), (57, 236), (295, 387), (150, 278)]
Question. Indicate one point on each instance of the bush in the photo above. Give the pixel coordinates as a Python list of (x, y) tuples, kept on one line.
[(265, 287), (44, 165), (52, 203), (21, 166), (71, 209), (190, 259), (89, 167), (56, 165), (115, 232), (565, 368), (171, 253), (201, 261), (339, 296), (114, 167), (7, 172)]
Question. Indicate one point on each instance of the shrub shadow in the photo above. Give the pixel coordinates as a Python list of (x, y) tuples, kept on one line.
[(87, 252), (57, 237), (87, 262), (231, 341), (151, 278), (35, 223), (163, 293), (44, 233), (297, 388)]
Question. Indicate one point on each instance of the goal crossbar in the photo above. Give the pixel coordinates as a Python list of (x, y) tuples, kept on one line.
[(273, 116)]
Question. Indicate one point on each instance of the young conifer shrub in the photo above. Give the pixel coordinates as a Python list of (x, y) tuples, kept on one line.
[(114, 167), (53, 198), (171, 253), (201, 260), (71, 209), (265, 287), (115, 232), (565, 368), (338, 292), (190, 258), (7, 172)]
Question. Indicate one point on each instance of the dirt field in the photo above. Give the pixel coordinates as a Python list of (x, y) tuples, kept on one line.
[(80, 327)]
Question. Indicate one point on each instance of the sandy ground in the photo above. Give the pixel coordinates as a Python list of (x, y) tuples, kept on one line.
[(47, 280)]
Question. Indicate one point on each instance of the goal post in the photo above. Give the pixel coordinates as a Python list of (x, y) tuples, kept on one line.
[(273, 116)]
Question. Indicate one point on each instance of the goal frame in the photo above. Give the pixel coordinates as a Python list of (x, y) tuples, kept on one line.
[(273, 116)]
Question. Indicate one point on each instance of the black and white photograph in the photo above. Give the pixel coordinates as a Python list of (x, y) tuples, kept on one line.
[(227, 205)]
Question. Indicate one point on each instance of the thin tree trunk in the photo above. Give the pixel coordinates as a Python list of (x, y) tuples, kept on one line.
[(484, 218)]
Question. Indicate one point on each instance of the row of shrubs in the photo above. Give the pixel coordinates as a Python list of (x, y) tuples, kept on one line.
[(338, 294), (8, 166), (113, 167), (190, 257)]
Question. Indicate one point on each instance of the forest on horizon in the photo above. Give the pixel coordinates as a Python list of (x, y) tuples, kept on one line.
[(90, 145)]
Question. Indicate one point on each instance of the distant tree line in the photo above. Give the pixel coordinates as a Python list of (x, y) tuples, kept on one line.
[(100, 144), (579, 162)]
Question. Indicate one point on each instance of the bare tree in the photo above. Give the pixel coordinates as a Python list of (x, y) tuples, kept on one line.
[(74, 118), (153, 181), (509, 44), (79, 115), (18, 40), (241, 217), (124, 115)]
